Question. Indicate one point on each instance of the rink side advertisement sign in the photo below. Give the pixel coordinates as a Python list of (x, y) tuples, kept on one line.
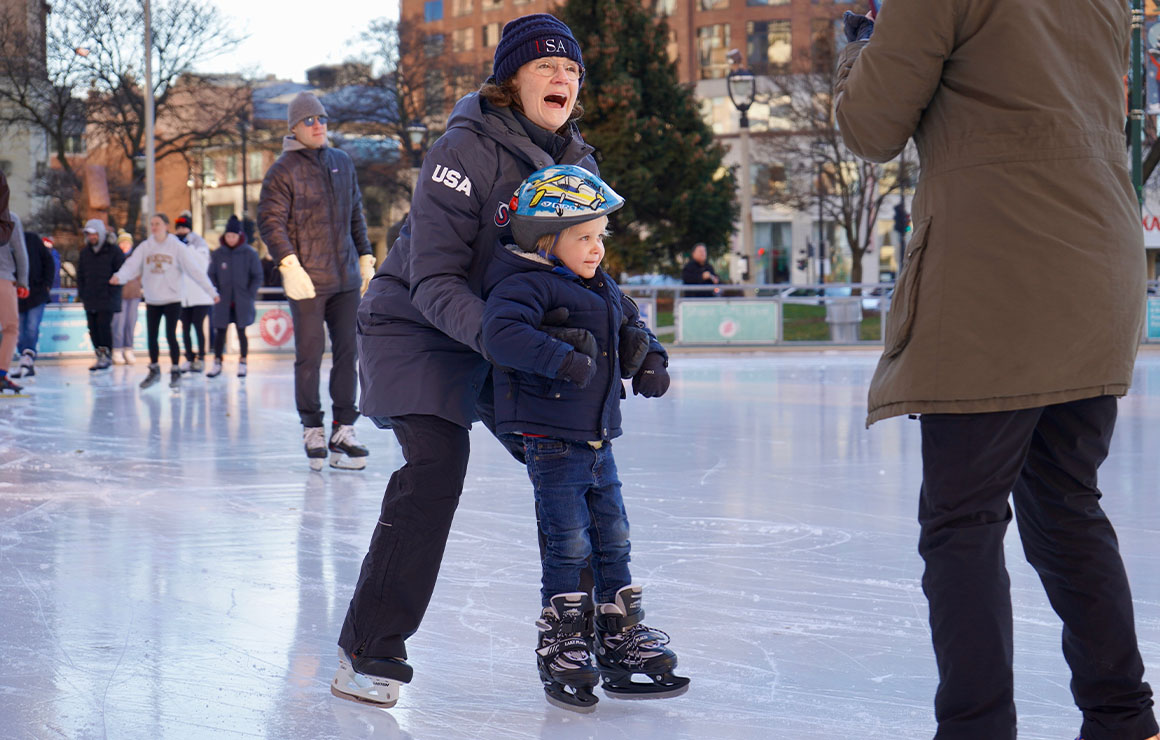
[(727, 321)]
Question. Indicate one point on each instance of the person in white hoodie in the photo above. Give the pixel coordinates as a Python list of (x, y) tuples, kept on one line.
[(162, 262), (195, 302)]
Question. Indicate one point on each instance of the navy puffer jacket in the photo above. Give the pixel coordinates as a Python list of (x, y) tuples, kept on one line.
[(419, 323), (529, 397)]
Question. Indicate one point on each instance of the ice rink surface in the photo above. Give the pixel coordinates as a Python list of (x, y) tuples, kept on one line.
[(170, 568)]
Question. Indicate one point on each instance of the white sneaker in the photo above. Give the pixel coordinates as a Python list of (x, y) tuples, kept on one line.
[(314, 440), (118, 356), (130, 358), (216, 370)]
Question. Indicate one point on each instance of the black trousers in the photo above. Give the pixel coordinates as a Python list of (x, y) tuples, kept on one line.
[(219, 337), (1047, 458), (153, 314), (193, 317), (400, 568), (335, 313), (100, 328)]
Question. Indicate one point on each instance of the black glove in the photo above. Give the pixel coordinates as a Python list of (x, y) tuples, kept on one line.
[(633, 348), (653, 379), (578, 368), (858, 27), (580, 339)]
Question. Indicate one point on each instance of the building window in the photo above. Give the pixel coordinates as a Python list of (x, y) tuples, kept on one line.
[(208, 172), (664, 8), (74, 144), (770, 46), (433, 45), (257, 168), (492, 4), (232, 168), (714, 4), (520, 2), (712, 45), (463, 39), (219, 216), (824, 35), (490, 35), (461, 7), (433, 10)]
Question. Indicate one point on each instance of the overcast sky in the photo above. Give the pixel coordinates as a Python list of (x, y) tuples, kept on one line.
[(288, 36)]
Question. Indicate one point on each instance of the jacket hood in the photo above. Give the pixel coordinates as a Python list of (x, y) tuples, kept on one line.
[(97, 225), (291, 144)]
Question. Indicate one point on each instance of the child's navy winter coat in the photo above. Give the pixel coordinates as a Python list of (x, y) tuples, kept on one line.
[(529, 398)]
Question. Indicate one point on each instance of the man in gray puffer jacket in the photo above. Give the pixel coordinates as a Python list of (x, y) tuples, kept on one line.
[(311, 219)]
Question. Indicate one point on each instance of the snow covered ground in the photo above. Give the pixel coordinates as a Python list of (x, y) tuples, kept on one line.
[(170, 568)]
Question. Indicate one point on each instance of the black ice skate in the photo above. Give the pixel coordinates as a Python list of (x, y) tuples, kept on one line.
[(374, 681), (314, 440), (625, 647), (174, 378), (345, 451), (104, 360), (8, 385), (27, 367), (153, 376), (564, 652)]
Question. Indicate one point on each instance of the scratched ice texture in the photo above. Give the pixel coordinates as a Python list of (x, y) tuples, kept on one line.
[(170, 568)]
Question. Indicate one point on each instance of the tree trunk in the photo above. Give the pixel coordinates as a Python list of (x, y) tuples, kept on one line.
[(856, 268)]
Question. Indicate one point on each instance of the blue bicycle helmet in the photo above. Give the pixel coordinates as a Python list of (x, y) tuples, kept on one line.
[(556, 197)]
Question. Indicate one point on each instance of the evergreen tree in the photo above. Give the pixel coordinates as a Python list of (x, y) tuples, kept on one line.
[(655, 149)]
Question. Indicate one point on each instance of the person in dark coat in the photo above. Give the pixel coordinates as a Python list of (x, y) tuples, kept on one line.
[(236, 270), (699, 271), (31, 307), (7, 225), (311, 219), (98, 261), (421, 366)]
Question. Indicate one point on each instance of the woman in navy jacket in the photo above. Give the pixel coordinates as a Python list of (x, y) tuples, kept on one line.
[(236, 271)]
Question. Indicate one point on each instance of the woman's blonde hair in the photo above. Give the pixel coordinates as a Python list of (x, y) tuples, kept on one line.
[(506, 95)]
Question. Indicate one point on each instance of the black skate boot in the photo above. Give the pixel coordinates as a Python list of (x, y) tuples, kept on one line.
[(314, 440), (153, 376), (97, 365), (624, 647), (27, 367), (374, 681), (8, 385), (104, 358), (564, 652), (345, 451), (174, 378)]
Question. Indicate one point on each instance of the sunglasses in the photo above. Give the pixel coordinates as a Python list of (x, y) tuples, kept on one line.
[(546, 68), (309, 120)]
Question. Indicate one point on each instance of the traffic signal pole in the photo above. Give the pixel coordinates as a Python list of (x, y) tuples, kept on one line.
[(1136, 104)]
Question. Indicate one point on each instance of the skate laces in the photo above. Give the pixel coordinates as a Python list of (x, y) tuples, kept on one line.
[(564, 638), (638, 640), (343, 435), (313, 437)]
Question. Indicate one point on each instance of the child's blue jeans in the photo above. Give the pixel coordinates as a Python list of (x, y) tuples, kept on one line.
[(581, 515)]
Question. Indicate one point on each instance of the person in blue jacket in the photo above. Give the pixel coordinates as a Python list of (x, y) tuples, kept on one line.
[(422, 371), (236, 271), (562, 398)]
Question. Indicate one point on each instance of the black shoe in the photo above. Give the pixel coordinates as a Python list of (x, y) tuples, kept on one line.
[(104, 358), (153, 376), (174, 378)]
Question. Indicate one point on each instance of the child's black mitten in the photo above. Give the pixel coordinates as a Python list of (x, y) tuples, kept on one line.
[(653, 379), (577, 368), (580, 339)]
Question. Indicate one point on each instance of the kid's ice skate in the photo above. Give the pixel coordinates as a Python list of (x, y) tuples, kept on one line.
[(26, 368), (564, 652), (314, 440), (374, 681), (345, 451), (624, 646)]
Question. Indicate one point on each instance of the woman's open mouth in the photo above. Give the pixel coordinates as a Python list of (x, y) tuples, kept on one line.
[(556, 101)]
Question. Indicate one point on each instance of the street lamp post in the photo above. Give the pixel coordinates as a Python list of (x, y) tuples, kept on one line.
[(150, 144), (243, 130), (416, 134), (742, 90), (820, 154)]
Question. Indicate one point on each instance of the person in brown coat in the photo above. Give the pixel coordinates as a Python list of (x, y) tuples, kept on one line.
[(1013, 328)]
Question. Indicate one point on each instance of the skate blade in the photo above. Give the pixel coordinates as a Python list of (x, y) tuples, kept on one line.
[(578, 708), (342, 461), (644, 691), (315, 463), (13, 395), (358, 699)]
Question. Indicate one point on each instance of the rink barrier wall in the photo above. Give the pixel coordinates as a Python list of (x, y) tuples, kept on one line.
[(703, 316)]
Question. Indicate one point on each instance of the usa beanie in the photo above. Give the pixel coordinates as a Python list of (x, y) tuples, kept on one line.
[(532, 37)]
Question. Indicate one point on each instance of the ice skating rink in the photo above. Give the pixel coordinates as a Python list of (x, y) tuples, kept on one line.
[(170, 568)]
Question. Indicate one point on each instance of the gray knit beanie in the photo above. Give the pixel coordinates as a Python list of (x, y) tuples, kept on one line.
[(303, 105)]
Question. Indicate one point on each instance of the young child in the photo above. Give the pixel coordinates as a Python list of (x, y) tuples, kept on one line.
[(561, 391), (161, 261), (236, 270)]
